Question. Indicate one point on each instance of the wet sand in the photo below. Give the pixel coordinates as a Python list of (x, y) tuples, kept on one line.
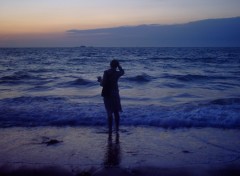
[(134, 151)]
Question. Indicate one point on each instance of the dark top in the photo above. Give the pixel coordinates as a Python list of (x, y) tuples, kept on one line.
[(110, 82)]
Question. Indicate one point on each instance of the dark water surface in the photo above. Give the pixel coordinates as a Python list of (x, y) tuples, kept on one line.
[(165, 87)]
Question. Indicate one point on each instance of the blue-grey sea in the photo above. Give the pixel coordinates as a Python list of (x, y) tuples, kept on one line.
[(162, 87)]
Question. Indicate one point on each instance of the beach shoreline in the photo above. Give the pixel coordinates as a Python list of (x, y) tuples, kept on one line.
[(134, 151)]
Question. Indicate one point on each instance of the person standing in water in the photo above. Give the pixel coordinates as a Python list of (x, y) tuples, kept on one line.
[(110, 93)]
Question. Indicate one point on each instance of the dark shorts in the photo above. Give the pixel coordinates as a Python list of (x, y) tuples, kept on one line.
[(112, 103)]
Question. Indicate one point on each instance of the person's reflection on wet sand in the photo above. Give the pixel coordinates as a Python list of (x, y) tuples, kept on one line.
[(113, 152)]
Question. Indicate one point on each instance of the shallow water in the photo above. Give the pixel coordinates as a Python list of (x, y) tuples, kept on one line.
[(88, 147)]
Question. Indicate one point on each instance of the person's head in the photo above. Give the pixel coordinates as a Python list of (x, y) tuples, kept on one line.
[(114, 64)]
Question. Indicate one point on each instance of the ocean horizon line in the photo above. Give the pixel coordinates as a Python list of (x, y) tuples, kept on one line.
[(52, 47)]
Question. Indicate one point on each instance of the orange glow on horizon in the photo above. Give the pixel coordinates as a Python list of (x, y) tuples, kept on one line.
[(34, 27), (29, 18)]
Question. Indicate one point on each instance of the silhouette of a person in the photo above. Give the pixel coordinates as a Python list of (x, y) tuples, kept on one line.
[(113, 152), (110, 93)]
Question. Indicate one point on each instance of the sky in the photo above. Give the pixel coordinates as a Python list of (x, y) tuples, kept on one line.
[(44, 23)]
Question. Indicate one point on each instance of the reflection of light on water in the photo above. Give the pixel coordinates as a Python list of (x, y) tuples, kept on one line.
[(6, 93), (113, 152)]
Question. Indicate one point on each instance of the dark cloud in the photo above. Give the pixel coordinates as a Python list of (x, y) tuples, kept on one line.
[(212, 32)]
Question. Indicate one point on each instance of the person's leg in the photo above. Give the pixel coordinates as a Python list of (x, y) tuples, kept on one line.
[(117, 117), (110, 123)]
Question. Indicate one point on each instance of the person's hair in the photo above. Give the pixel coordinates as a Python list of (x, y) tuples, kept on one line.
[(114, 63)]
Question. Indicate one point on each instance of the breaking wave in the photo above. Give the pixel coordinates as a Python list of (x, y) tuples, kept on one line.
[(57, 111)]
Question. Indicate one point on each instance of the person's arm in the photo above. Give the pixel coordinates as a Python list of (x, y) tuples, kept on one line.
[(121, 71)]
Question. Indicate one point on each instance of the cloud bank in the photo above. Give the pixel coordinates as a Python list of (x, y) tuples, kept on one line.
[(211, 32)]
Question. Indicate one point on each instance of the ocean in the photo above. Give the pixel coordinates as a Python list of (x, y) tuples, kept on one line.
[(162, 87)]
